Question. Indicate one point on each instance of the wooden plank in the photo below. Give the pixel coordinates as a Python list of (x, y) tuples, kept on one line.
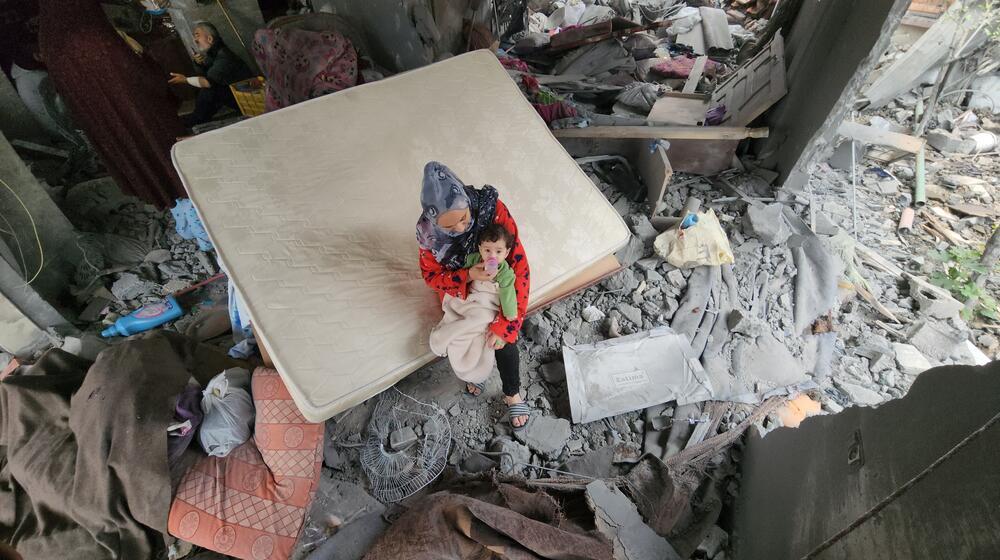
[(695, 76), (679, 109), (755, 87), (926, 53), (974, 210), (655, 170), (665, 132), (877, 136)]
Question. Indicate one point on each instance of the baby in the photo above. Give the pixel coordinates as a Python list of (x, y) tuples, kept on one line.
[(462, 333), (494, 246)]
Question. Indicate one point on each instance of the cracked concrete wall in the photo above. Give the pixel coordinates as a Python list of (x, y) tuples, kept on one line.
[(16, 121), (830, 50), (800, 486), (60, 252)]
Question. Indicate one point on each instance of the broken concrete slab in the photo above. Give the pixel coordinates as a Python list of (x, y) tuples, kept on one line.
[(643, 229), (632, 252), (949, 142), (618, 519), (860, 395), (933, 301), (766, 223), (545, 435), (631, 313), (129, 286), (402, 438), (514, 456), (350, 504), (596, 463), (935, 339)]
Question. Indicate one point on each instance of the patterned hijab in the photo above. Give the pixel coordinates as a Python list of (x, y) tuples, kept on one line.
[(443, 191)]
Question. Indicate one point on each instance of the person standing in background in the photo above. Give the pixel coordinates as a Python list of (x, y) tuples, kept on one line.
[(116, 97)]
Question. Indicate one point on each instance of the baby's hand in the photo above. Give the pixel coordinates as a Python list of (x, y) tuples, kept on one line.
[(478, 272)]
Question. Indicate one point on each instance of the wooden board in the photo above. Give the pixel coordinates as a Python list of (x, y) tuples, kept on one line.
[(877, 136), (666, 132), (755, 87), (701, 157), (695, 76), (679, 109), (656, 172)]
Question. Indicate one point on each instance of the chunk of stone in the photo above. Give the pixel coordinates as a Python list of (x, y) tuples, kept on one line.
[(631, 313), (402, 438), (824, 225), (949, 142), (623, 281), (513, 454), (158, 256), (592, 314), (632, 252), (129, 286), (545, 435), (617, 518), (595, 463), (649, 263), (933, 301), (766, 223), (858, 394), (643, 229), (538, 328), (936, 340), (676, 278)]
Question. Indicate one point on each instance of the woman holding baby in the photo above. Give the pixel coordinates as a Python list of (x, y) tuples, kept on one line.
[(455, 261)]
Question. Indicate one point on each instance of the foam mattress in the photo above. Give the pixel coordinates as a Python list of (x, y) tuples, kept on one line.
[(312, 210)]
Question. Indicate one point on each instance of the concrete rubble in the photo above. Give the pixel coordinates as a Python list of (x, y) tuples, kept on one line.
[(825, 297)]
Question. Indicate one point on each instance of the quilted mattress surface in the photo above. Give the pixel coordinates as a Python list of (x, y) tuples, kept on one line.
[(312, 210)]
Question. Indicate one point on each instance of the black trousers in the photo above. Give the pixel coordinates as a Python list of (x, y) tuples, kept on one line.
[(208, 102), (509, 364)]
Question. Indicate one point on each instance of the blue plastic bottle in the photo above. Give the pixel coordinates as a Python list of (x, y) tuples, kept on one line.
[(145, 318)]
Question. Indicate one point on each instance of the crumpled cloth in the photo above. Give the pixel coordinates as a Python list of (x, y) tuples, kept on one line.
[(188, 224), (501, 522), (85, 470), (461, 334), (300, 65)]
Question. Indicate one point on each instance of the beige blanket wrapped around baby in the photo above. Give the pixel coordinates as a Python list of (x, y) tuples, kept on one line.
[(461, 334)]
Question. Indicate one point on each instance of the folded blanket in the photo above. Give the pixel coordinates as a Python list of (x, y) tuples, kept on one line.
[(461, 334)]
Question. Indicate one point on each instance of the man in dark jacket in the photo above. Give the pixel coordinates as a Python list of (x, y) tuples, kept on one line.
[(217, 67)]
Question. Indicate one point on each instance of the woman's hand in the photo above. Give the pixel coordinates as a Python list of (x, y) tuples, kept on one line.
[(478, 272), (495, 342)]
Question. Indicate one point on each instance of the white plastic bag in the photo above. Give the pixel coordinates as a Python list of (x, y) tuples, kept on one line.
[(229, 412), (702, 244)]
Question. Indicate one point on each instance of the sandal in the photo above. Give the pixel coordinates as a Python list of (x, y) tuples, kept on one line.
[(480, 386), (515, 410)]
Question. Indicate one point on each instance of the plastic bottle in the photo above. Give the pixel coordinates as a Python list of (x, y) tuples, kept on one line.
[(145, 318), (492, 265)]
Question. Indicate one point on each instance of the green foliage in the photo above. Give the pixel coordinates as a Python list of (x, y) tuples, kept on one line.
[(959, 264)]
